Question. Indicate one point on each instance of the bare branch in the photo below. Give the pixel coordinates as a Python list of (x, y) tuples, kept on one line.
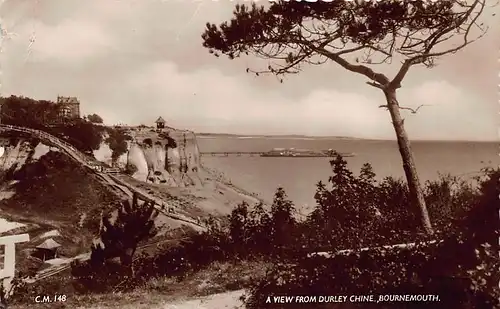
[(379, 86), (413, 111)]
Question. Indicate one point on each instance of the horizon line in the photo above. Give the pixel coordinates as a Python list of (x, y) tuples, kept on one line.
[(347, 137), (321, 136)]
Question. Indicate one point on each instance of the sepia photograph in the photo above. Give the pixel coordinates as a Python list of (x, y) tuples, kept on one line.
[(246, 154)]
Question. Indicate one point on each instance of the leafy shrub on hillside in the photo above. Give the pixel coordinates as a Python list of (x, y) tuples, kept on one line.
[(120, 236), (83, 135), (94, 118), (462, 269), (117, 141), (353, 211), (130, 169)]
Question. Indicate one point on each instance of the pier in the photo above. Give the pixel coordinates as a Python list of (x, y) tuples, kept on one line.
[(231, 153)]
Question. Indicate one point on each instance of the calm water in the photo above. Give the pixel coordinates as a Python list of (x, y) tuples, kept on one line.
[(299, 175)]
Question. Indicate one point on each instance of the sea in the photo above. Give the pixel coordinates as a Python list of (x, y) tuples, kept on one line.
[(299, 176)]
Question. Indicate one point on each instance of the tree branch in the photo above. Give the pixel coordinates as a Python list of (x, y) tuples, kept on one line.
[(396, 81), (413, 111), (356, 68), (379, 86), (434, 39)]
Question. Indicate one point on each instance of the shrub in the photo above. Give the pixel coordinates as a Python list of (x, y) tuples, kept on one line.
[(117, 141), (461, 269), (120, 236), (353, 211), (148, 142), (94, 118), (130, 169)]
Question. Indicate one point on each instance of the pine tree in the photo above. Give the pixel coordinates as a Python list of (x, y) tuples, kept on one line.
[(120, 236), (282, 222)]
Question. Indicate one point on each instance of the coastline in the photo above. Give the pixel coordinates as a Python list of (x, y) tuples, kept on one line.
[(221, 178)]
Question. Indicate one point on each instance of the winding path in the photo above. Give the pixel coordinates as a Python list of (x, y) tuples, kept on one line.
[(107, 179), (116, 184)]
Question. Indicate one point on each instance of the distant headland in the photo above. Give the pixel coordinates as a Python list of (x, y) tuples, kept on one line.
[(298, 136)]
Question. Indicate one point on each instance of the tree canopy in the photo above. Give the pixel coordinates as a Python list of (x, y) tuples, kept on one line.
[(94, 118), (27, 112), (294, 33), (355, 35), (117, 141)]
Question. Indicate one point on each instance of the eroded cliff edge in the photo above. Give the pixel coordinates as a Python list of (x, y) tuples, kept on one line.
[(169, 157)]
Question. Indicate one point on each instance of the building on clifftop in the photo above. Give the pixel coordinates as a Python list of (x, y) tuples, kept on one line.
[(69, 108)]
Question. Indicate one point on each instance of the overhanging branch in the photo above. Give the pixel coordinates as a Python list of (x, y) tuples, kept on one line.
[(434, 39), (356, 68)]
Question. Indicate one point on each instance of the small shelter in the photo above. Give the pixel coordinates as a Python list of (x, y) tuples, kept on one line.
[(47, 250), (160, 123)]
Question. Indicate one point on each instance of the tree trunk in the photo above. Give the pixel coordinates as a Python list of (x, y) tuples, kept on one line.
[(416, 194)]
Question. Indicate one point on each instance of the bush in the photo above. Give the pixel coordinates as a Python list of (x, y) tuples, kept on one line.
[(352, 212), (107, 277), (117, 141), (130, 169), (462, 269), (148, 142), (119, 238), (84, 135), (94, 118)]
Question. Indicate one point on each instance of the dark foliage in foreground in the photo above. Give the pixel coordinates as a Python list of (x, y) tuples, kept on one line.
[(452, 269), (380, 208), (120, 234), (462, 269)]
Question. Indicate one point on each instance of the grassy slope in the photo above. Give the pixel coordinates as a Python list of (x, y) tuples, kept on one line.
[(217, 278), (53, 193)]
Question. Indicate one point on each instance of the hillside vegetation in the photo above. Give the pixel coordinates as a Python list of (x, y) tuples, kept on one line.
[(54, 192), (354, 213), (460, 268), (85, 134)]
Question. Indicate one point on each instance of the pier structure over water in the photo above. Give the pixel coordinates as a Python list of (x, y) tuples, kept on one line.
[(231, 153)]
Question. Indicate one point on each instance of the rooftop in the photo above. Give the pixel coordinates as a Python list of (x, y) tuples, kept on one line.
[(160, 120), (61, 99), (48, 244)]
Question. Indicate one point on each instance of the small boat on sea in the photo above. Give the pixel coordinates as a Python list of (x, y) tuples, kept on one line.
[(304, 153)]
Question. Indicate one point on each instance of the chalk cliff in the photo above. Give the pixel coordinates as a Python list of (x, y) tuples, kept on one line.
[(20, 151), (172, 159)]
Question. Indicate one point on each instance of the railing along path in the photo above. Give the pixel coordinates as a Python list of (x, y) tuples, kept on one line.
[(107, 179)]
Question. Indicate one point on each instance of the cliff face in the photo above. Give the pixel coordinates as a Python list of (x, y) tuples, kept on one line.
[(172, 160), (16, 153), (46, 182)]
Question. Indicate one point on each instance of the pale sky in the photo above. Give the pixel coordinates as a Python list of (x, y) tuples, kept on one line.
[(131, 61)]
